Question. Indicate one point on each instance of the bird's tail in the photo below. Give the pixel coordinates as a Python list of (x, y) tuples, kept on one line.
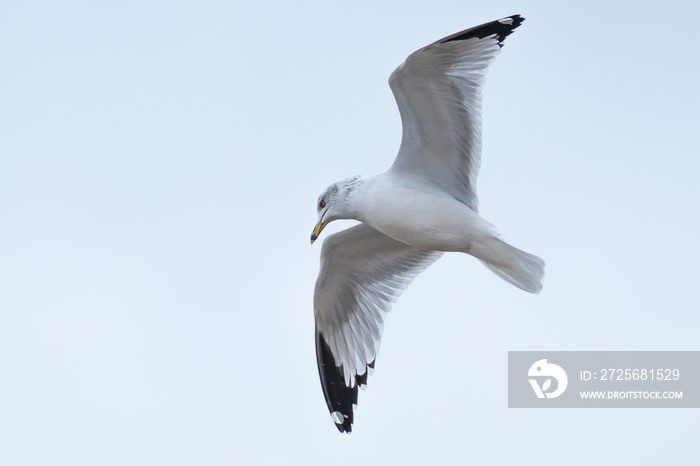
[(517, 267)]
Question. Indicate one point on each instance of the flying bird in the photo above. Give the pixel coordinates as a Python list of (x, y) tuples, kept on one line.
[(423, 205)]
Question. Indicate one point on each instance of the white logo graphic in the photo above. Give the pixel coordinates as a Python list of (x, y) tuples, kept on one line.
[(551, 371)]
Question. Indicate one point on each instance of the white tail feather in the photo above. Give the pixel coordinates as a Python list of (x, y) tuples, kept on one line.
[(517, 267)]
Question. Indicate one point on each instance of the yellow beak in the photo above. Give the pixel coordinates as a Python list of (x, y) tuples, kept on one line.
[(317, 231)]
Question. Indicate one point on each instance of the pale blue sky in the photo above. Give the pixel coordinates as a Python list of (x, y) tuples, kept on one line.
[(159, 168)]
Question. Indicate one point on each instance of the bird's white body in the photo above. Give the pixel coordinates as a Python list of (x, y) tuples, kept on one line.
[(427, 219), (430, 219)]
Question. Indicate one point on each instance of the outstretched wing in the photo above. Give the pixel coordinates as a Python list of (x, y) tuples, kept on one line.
[(438, 91), (362, 273)]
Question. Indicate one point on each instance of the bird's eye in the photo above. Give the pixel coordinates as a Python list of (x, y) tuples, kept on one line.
[(322, 203)]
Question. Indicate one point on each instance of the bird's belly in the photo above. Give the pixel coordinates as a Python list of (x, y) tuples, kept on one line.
[(433, 222)]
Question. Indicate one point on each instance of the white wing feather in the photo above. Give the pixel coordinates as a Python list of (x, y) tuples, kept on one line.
[(438, 91), (362, 273)]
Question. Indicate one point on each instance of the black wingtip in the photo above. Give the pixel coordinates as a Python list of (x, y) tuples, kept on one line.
[(501, 28), (339, 397)]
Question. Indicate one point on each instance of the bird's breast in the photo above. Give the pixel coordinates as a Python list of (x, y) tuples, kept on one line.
[(422, 218)]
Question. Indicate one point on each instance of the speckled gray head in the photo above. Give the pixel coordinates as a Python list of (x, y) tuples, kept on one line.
[(334, 204)]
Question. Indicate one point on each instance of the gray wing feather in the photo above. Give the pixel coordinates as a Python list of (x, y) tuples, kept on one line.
[(438, 91), (362, 273)]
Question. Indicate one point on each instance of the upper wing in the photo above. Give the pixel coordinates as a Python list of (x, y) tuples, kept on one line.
[(438, 91), (362, 273)]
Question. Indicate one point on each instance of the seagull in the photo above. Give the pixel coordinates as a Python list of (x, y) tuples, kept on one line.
[(423, 206)]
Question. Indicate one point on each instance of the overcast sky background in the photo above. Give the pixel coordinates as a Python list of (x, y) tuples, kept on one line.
[(159, 168)]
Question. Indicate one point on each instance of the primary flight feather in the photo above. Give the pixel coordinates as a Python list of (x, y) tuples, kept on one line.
[(424, 205)]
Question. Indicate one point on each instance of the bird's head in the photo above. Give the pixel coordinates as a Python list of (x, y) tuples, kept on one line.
[(335, 204)]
